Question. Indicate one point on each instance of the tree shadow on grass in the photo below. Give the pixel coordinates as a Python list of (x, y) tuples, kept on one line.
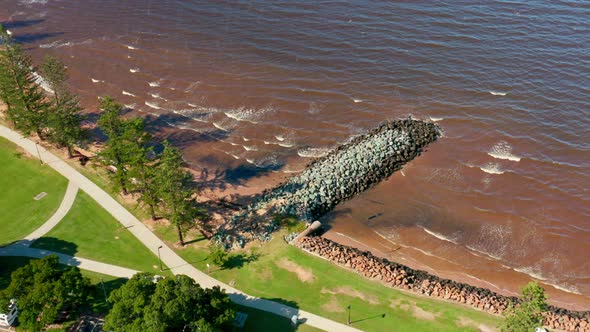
[(57, 245), (101, 290), (237, 261), (259, 319)]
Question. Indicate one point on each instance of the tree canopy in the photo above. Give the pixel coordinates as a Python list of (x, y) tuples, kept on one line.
[(176, 190), (126, 139), (26, 103), (64, 119), (173, 304), (528, 314), (43, 289)]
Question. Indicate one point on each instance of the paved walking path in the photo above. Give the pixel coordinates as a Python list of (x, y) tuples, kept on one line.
[(62, 210), (176, 264), (19, 249)]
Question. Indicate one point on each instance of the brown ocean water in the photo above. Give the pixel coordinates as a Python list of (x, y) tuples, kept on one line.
[(255, 89)]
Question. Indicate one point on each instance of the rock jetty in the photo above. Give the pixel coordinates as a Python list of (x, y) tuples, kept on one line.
[(399, 276), (345, 172)]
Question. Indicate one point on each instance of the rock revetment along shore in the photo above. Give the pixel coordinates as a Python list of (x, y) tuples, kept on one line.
[(402, 277), (347, 171)]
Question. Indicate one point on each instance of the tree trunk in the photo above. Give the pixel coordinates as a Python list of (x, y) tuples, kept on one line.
[(180, 238), (123, 186), (152, 212), (70, 153)]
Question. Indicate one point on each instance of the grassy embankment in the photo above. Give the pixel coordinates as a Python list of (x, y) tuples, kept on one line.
[(21, 179)]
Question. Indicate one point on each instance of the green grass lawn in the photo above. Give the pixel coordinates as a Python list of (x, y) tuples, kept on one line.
[(91, 232), (278, 274), (22, 178)]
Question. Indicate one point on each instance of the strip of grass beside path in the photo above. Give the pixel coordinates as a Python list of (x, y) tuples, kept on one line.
[(21, 179), (91, 232)]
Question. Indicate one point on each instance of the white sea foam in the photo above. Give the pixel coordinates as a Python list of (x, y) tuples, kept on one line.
[(9, 32), (492, 168), (247, 114), (479, 253), (192, 105), (503, 150), (59, 44), (357, 100), (438, 235), (433, 119), (571, 289), (31, 2), (529, 271), (402, 173), (251, 161), (157, 96), (153, 105), (128, 94), (497, 93), (218, 126), (134, 70), (246, 139), (131, 47), (96, 81), (280, 138), (250, 148), (313, 152), (154, 84), (130, 106), (286, 145), (235, 157)]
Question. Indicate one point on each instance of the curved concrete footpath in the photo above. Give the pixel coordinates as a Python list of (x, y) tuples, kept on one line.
[(176, 264), (22, 249), (62, 210)]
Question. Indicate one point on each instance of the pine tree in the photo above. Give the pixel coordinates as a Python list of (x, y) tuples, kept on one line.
[(26, 102), (125, 139), (64, 120), (175, 190), (144, 171)]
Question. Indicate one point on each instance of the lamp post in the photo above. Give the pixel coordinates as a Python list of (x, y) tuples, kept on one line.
[(348, 322), (38, 153), (159, 258)]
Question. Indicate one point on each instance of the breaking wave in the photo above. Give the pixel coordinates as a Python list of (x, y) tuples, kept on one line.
[(313, 152), (503, 150), (153, 105), (438, 235), (492, 168)]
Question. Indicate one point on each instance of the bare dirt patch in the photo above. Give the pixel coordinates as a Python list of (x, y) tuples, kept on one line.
[(302, 273), (414, 309), (347, 290), (332, 305), (265, 274), (464, 321)]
